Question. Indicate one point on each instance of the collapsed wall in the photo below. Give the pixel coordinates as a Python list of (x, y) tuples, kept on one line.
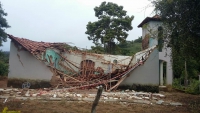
[(80, 69)]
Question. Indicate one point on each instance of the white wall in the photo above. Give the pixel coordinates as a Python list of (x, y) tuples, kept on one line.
[(24, 65), (165, 55), (101, 60), (166, 52), (148, 73), (151, 28)]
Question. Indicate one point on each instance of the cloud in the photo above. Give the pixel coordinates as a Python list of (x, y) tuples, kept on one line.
[(63, 20)]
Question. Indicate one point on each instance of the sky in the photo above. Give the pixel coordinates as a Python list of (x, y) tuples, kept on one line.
[(64, 20)]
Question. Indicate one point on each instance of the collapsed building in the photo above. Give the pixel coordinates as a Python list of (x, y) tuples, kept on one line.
[(73, 69)]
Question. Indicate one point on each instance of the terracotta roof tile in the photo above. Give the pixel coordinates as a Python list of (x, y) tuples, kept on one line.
[(33, 46), (147, 19)]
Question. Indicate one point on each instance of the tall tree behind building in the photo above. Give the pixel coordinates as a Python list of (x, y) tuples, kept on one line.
[(112, 25), (3, 25), (3, 38)]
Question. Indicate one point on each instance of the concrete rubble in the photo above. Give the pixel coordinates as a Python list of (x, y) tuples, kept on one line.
[(62, 94)]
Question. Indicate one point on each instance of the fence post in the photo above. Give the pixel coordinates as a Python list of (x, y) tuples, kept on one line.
[(96, 101), (199, 84)]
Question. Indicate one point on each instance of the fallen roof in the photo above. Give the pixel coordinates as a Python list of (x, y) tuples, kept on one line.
[(34, 46), (147, 19), (84, 77)]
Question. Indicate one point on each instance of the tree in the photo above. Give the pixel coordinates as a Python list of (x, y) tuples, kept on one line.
[(181, 19), (97, 49), (3, 38), (3, 25), (3, 63), (113, 23)]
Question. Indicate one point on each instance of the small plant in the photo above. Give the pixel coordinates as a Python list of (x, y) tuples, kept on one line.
[(177, 84), (194, 87)]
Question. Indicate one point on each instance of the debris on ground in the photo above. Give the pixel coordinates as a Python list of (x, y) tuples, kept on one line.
[(128, 96)]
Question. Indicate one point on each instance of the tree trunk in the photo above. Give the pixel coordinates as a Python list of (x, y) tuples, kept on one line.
[(186, 75)]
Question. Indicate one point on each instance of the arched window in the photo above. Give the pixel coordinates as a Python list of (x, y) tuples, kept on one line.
[(87, 67)]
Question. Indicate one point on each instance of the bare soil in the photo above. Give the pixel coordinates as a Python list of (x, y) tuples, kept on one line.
[(191, 104), (3, 82)]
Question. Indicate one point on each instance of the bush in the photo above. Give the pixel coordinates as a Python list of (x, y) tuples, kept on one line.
[(3, 63), (140, 87), (194, 87), (177, 84), (3, 68)]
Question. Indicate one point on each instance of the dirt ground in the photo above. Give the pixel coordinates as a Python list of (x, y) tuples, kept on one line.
[(191, 104), (3, 82)]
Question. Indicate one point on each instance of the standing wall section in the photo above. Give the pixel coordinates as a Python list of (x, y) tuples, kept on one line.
[(23, 65), (146, 74)]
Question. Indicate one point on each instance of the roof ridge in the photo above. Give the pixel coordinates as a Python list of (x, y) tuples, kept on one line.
[(34, 46)]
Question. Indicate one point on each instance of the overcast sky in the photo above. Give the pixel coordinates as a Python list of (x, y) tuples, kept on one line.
[(64, 20)]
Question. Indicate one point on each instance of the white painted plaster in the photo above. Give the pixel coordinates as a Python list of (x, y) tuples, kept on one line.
[(151, 28), (148, 73), (165, 55), (24, 65), (76, 58)]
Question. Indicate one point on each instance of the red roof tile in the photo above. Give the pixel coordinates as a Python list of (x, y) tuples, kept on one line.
[(33, 46), (147, 19)]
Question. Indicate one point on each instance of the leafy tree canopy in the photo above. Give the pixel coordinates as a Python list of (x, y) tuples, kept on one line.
[(3, 25), (113, 23), (182, 19), (124, 48)]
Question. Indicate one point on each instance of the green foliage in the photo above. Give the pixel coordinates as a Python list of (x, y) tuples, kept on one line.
[(97, 49), (177, 84), (139, 40), (3, 25), (192, 88), (113, 24), (3, 64), (124, 48), (3, 68), (129, 47), (182, 18), (3, 38)]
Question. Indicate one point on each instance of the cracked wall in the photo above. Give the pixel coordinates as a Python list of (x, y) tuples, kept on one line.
[(31, 68)]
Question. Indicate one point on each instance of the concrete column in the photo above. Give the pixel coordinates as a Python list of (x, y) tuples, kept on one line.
[(161, 72), (169, 74)]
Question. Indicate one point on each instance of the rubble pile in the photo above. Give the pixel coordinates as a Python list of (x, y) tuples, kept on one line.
[(46, 94)]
